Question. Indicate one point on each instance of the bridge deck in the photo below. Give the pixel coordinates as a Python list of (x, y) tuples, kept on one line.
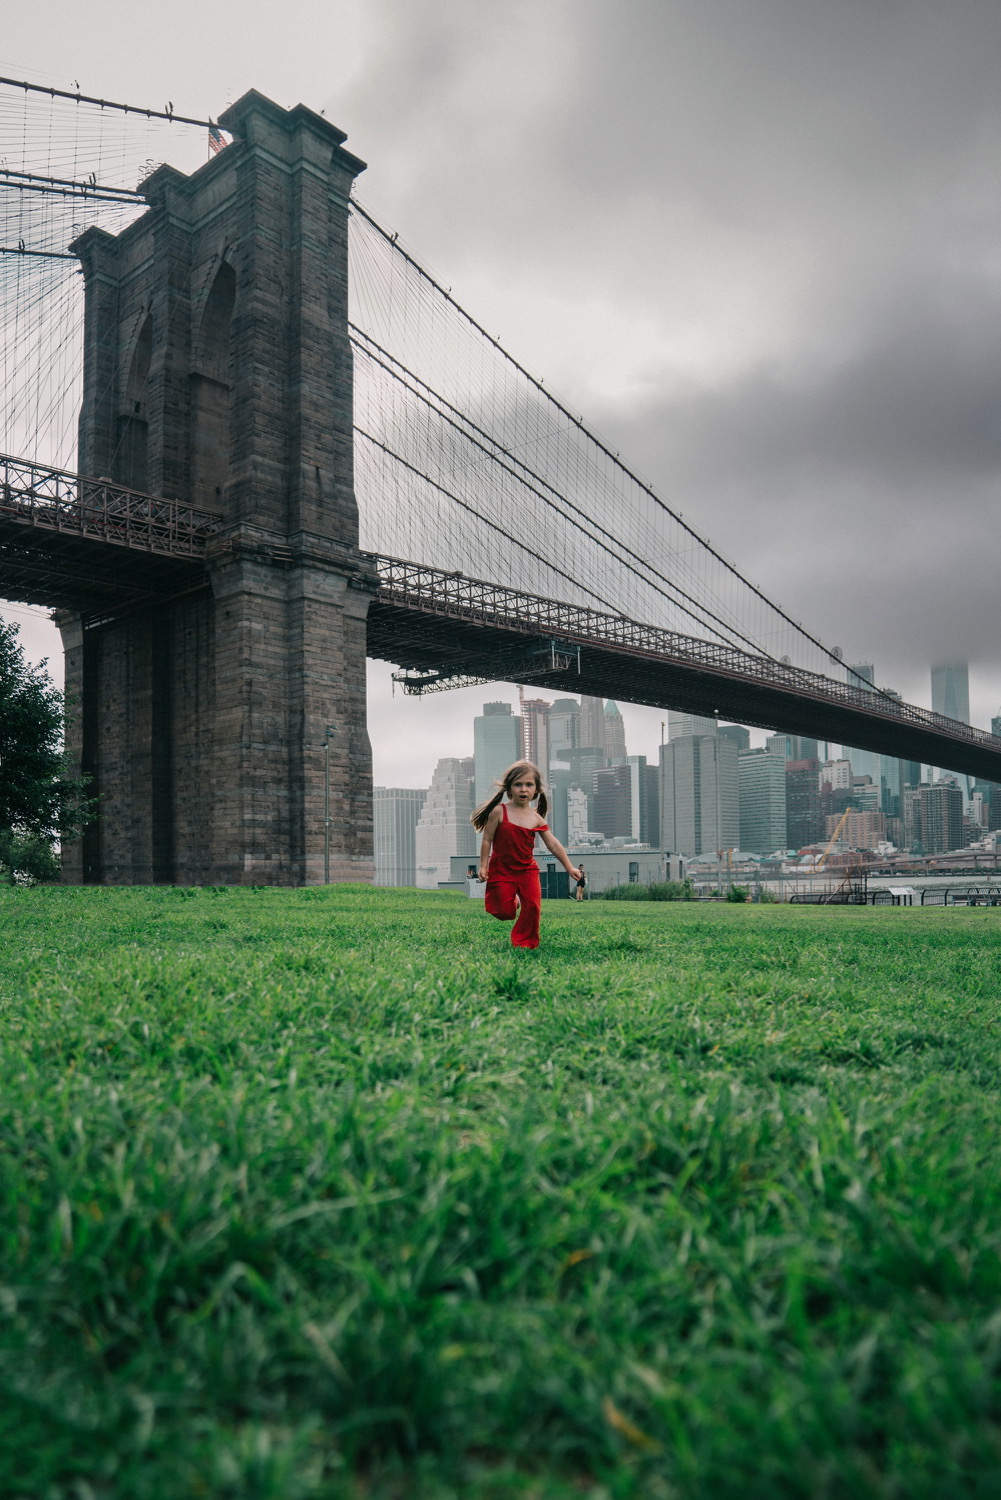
[(426, 620), (62, 538), (61, 544)]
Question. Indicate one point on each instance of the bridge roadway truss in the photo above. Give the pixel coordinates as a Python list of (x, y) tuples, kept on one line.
[(61, 541)]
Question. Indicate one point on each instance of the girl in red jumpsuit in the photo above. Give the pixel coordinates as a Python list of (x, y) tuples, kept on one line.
[(507, 861)]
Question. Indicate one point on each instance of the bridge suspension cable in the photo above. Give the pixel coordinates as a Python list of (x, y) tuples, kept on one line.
[(69, 160), (460, 415), (538, 486)]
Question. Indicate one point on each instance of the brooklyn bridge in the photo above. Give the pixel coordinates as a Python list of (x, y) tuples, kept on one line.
[(256, 441)]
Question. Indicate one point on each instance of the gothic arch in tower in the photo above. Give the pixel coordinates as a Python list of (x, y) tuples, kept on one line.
[(211, 391)]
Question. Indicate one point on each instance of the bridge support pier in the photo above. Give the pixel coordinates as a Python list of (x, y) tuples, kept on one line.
[(217, 369), (201, 725)]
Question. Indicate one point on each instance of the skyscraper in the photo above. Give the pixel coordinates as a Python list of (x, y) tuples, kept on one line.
[(496, 745), (950, 691), (681, 725), (804, 815), (592, 723), (762, 776), (941, 817), (612, 801), (625, 801), (396, 812), (741, 737), (443, 828), (564, 729), (699, 810), (535, 732), (615, 732)]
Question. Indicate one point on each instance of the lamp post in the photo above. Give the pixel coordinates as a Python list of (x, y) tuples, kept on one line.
[(330, 732)]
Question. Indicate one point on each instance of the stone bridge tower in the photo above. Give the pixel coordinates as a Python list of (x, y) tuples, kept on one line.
[(218, 370)]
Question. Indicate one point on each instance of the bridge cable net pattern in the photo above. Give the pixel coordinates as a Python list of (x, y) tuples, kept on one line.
[(66, 163), (465, 462)]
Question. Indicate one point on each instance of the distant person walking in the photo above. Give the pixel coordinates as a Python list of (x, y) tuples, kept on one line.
[(507, 852), (578, 894)]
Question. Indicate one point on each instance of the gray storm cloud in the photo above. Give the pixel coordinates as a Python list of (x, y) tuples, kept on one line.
[(799, 201)]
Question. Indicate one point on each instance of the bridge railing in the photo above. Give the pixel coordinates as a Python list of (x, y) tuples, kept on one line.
[(473, 599), (100, 510)]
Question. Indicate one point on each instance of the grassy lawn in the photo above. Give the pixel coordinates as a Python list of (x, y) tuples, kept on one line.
[(329, 1193)]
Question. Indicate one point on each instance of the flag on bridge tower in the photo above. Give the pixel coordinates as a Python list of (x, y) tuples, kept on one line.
[(216, 140)]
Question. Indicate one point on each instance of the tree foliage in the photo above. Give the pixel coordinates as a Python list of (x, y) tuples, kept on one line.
[(39, 801)]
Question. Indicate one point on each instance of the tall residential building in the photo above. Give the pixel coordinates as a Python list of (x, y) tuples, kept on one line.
[(680, 726), (804, 816), (564, 729), (443, 828), (941, 817), (836, 774), (615, 732), (496, 745), (592, 723), (396, 810), (950, 691), (699, 810), (910, 812), (762, 780), (535, 732)]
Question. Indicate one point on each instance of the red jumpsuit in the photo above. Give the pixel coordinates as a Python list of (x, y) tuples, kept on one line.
[(512, 871)]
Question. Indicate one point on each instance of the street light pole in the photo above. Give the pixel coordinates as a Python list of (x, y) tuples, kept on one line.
[(330, 731)]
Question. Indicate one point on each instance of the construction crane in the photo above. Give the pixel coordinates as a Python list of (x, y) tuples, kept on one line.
[(833, 839)]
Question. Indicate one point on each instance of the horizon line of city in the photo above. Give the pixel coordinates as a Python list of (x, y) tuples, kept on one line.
[(710, 793)]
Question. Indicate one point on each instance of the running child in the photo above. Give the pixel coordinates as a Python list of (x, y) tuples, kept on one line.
[(507, 861)]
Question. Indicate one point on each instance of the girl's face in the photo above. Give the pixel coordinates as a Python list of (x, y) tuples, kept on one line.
[(523, 789)]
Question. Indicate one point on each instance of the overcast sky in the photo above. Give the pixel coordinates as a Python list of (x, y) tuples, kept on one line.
[(756, 242)]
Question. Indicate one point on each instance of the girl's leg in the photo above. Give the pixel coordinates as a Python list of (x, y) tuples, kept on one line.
[(525, 932), (499, 899)]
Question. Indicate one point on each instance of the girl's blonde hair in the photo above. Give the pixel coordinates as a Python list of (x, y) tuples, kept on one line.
[(511, 775)]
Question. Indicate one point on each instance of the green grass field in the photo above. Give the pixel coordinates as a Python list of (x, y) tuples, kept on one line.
[(329, 1193)]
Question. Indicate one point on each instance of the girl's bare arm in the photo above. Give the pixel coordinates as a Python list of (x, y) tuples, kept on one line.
[(555, 847), (489, 829)]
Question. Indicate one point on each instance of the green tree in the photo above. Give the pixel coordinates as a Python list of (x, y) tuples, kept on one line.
[(39, 801)]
